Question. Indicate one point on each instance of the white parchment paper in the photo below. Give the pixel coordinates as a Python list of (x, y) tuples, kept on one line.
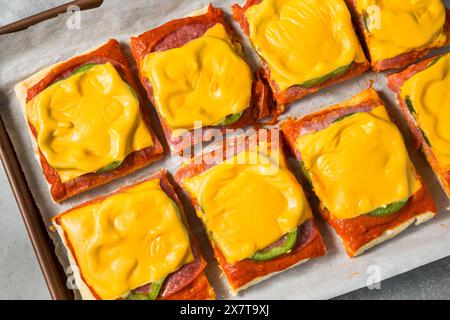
[(23, 53)]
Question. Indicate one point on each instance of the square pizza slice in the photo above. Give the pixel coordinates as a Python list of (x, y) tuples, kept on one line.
[(196, 76), (87, 121), (303, 45), (134, 244), (255, 212), (422, 93), (398, 32), (356, 161)]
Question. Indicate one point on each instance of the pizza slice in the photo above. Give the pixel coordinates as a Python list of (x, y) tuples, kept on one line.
[(87, 121), (422, 96), (196, 76), (255, 212), (303, 45), (398, 33), (358, 166), (134, 244)]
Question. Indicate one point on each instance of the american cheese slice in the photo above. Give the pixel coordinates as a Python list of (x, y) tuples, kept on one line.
[(248, 205), (429, 92), (203, 81), (127, 240), (358, 164), (302, 40), (399, 26), (87, 121)]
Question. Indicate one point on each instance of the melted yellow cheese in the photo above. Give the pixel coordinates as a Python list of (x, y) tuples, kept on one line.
[(247, 205), (128, 240), (302, 40), (87, 121), (358, 164), (203, 81), (399, 26), (429, 92)]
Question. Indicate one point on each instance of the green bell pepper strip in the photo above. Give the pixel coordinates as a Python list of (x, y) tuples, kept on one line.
[(285, 247), (408, 100), (137, 296), (389, 209), (109, 167), (156, 286), (152, 295), (230, 119), (425, 137), (314, 82), (410, 105), (83, 68), (434, 61), (343, 117), (365, 17), (305, 172)]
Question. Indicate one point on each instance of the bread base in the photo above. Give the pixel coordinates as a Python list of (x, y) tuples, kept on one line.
[(391, 233), (235, 291)]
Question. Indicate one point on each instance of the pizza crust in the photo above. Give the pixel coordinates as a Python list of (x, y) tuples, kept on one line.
[(391, 233), (439, 171), (234, 291)]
